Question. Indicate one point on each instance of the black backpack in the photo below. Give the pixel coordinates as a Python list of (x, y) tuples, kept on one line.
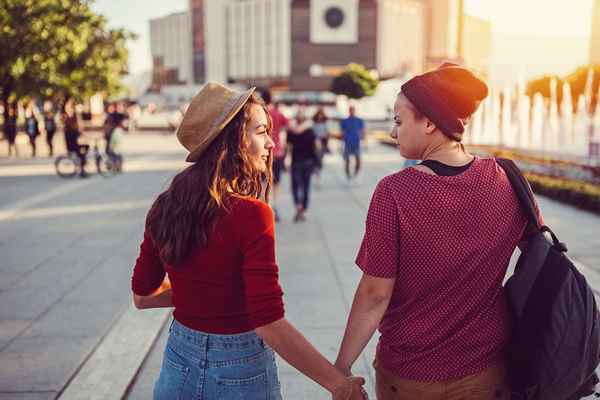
[(555, 345)]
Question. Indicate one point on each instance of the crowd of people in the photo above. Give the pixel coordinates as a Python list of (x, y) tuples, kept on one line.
[(306, 140), (45, 122)]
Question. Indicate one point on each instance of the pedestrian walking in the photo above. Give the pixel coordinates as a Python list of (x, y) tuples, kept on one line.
[(72, 129), (212, 234), (49, 126), (114, 152), (280, 123), (353, 131), (438, 239), (10, 129), (302, 140), (322, 134), (32, 128)]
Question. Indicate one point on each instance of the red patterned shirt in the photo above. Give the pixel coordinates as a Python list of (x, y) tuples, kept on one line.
[(447, 240)]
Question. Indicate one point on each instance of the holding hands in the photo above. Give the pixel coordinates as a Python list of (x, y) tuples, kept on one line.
[(351, 389)]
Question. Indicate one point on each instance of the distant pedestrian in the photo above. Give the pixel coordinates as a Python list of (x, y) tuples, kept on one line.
[(114, 152), (322, 134), (114, 116), (49, 126), (280, 123), (353, 131), (32, 128), (10, 128), (301, 137), (72, 134), (211, 234)]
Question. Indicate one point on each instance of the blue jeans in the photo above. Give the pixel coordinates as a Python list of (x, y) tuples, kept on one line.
[(204, 366), (301, 173)]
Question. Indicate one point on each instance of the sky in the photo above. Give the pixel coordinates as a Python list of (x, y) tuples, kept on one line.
[(532, 35), (541, 17)]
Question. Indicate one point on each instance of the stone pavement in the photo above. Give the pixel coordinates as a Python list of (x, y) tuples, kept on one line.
[(67, 249)]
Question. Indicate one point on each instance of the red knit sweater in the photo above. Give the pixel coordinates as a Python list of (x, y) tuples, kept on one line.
[(231, 285)]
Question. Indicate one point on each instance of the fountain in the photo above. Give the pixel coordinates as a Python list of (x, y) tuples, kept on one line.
[(515, 120), (566, 138), (581, 127)]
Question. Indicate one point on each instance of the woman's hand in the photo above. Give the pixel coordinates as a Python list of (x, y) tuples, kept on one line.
[(162, 297), (351, 389)]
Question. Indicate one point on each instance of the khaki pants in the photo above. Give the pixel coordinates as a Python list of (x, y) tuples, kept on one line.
[(491, 384)]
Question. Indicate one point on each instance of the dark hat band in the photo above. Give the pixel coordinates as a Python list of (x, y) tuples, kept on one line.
[(433, 107)]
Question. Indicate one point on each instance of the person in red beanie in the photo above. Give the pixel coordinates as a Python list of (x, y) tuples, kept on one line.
[(437, 243)]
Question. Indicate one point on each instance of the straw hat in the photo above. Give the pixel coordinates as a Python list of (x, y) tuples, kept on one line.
[(209, 112)]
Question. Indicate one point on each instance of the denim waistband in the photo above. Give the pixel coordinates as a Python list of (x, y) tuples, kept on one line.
[(212, 341)]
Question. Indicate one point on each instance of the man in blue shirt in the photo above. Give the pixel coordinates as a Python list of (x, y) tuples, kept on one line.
[(353, 130)]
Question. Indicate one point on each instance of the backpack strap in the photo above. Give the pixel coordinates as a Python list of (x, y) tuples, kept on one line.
[(526, 198), (521, 188)]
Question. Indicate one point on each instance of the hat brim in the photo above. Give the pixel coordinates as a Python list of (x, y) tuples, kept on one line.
[(241, 101)]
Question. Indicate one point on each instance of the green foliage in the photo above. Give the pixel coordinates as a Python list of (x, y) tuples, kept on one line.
[(355, 82), (58, 48)]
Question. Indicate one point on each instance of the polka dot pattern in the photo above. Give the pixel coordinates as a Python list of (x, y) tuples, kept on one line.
[(447, 240)]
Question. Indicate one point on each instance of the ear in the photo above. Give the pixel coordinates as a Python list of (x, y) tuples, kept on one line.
[(429, 127)]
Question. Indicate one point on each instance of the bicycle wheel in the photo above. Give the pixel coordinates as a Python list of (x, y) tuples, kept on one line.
[(105, 166), (66, 167)]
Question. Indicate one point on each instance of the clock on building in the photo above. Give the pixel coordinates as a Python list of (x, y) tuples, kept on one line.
[(334, 21), (334, 17)]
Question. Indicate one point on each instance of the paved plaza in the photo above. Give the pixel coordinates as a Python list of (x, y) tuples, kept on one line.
[(67, 248)]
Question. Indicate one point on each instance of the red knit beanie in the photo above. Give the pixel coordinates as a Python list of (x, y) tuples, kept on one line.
[(447, 96)]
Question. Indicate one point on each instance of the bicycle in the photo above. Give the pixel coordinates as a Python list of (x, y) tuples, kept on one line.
[(69, 165)]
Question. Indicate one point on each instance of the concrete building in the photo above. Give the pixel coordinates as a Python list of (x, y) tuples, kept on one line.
[(247, 41), (386, 36), (443, 27), (301, 45), (196, 8), (477, 44), (595, 36), (401, 29), (258, 46), (171, 48)]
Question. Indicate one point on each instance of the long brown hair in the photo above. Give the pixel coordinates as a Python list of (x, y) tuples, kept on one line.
[(181, 217)]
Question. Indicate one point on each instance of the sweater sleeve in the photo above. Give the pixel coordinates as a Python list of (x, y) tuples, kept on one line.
[(263, 294), (148, 273), (379, 251)]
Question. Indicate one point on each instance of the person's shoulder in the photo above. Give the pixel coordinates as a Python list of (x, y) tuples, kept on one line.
[(250, 207), (397, 182)]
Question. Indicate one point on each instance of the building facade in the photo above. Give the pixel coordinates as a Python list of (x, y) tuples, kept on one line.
[(326, 36), (171, 48), (301, 45), (402, 37), (477, 44), (595, 36), (258, 42), (444, 26), (196, 8)]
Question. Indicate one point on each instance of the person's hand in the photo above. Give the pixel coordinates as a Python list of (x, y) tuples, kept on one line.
[(351, 389), (344, 369)]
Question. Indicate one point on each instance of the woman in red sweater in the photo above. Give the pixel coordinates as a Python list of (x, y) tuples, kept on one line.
[(212, 233), (437, 243)]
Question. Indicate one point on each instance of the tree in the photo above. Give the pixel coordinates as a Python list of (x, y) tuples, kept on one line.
[(355, 82), (57, 48)]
